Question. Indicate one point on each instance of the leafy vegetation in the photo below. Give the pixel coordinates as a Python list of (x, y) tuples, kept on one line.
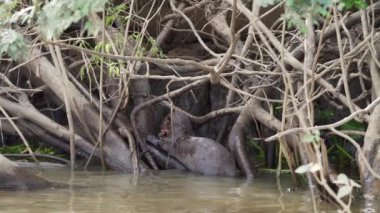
[(277, 78), (58, 15), (20, 148), (299, 10)]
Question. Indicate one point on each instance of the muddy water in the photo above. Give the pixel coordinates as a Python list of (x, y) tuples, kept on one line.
[(169, 191)]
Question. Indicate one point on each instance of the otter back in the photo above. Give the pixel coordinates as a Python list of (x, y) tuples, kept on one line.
[(201, 155)]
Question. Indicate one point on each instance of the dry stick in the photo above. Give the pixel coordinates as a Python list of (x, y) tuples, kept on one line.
[(308, 63), (18, 66), (317, 158), (342, 66), (116, 110), (104, 132), (324, 127), (31, 114), (129, 19), (234, 40), (40, 156), (31, 129), (358, 148), (259, 25), (231, 94), (353, 19), (288, 58), (284, 146), (139, 67), (325, 185), (208, 116), (58, 61), (100, 133), (369, 144), (161, 98), (123, 129), (349, 55), (170, 77), (200, 40), (200, 66), (228, 85), (186, 10), (20, 134), (159, 40)]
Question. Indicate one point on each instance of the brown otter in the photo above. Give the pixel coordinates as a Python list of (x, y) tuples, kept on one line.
[(198, 154)]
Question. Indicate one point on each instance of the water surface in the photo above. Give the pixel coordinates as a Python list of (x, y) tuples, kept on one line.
[(167, 191)]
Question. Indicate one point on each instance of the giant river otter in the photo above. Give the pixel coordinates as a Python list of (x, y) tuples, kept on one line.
[(197, 154)]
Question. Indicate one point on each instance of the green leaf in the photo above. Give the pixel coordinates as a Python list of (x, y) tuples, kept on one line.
[(353, 125), (354, 184), (315, 167), (91, 28), (303, 168), (308, 138), (358, 4), (13, 44), (344, 190), (265, 3), (58, 15), (342, 179), (343, 152)]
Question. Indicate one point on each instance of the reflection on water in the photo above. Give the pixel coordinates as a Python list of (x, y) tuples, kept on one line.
[(168, 191)]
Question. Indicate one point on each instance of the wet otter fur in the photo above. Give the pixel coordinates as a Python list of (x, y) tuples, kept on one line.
[(198, 154)]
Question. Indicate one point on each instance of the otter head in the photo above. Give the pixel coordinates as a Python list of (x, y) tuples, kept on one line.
[(166, 127), (177, 124)]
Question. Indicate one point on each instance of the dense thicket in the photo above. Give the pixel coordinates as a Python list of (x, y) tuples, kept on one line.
[(96, 79)]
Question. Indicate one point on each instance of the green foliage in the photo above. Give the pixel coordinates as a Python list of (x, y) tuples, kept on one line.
[(313, 137), (265, 3), (12, 43), (117, 13), (324, 117), (343, 153), (15, 149), (345, 185), (311, 167), (20, 149), (23, 16), (297, 11), (82, 73), (253, 144), (6, 10), (358, 4), (151, 43), (58, 15), (340, 147), (45, 150), (354, 125), (113, 67)]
